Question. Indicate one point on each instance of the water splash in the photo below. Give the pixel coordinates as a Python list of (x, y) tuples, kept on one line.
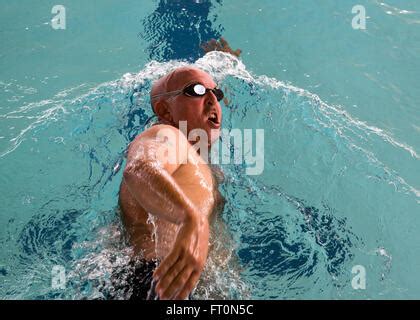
[(296, 228)]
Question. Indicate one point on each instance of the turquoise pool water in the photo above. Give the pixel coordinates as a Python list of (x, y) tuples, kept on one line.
[(339, 107)]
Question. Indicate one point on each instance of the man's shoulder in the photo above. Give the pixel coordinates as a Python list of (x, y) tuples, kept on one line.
[(160, 134)]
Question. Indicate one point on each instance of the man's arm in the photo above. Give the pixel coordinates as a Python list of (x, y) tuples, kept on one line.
[(148, 175)]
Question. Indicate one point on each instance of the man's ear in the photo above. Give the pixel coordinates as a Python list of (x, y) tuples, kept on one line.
[(163, 111)]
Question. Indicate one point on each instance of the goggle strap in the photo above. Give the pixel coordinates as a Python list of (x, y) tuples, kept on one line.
[(166, 94)]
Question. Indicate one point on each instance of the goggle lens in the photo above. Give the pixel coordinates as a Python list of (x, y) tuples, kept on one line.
[(198, 90)]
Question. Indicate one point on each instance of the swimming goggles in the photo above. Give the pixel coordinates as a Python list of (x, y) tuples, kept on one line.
[(193, 90)]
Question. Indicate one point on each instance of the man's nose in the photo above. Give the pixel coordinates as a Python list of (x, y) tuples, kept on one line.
[(210, 98)]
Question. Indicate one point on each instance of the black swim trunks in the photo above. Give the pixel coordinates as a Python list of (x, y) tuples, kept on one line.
[(134, 281)]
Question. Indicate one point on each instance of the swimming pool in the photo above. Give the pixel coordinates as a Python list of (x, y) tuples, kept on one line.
[(339, 106)]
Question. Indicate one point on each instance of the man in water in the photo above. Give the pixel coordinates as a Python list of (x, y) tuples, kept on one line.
[(169, 193)]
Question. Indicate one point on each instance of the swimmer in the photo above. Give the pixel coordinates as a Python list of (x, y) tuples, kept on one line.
[(168, 207)]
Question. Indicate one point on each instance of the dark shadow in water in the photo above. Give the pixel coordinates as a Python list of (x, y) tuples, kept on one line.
[(137, 116), (267, 248), (49, 234), (177, 28)]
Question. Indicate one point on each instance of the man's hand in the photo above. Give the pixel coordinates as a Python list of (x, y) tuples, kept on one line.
[(221, 45), (179, 272)]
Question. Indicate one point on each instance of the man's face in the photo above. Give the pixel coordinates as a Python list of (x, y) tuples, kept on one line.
[(199, 112)]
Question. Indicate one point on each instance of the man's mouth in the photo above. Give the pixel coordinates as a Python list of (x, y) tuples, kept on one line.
[(214, 120)]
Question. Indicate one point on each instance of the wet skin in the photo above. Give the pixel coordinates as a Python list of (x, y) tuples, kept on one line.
[(181, 197)]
